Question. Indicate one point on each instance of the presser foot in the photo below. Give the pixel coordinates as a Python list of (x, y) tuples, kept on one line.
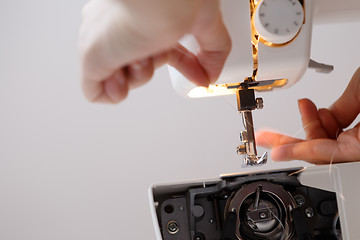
[(250, 161), (257, 161)]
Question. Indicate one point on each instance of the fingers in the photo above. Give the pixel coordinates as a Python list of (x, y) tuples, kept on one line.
[(92, 90), (318, 151), (160, 59), (285, 148), (214, 40), (320, 125), (329, 123), (310, 120), (115, 88), (349, 143), (347, 107), (271, 139), (140, 72), (113, 35), (215, 45), (100, 36), (188, 64), (112, 90), (111, 38)]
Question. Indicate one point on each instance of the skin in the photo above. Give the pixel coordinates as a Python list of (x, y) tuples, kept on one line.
[(326, 141), (122, 42)]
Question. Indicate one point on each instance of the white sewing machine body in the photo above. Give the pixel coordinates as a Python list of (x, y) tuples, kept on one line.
[(288, 61), (271, 43), (319, 201), (292, 57)]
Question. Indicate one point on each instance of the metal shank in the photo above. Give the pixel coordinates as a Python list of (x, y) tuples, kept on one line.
[(246, 103), (249, 141)]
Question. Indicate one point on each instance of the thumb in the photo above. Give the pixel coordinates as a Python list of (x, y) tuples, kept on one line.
[(213, 38)]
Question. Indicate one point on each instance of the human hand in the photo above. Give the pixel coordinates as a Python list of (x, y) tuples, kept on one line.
[(123, 41), (326, 142)]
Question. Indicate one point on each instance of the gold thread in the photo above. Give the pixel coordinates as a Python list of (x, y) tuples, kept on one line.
[(254, 38)]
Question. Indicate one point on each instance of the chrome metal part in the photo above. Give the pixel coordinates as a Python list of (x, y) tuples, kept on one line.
[(248, 146), (172, 227), (259, 103), (309, 212), (241, 149), (320, 67), (247, 102), (272, 205), (255, 162), (248, 136), (262, 211), (260, 85)]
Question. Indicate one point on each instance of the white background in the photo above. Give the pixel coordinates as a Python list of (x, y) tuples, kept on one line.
[(74, 170)]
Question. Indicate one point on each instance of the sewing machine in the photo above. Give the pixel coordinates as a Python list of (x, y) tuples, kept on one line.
[(271, 50)]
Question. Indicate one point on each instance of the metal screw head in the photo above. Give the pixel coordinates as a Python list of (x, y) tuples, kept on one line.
[(181, 207), (262, 215), (244, 136), (241, 149), (199, 236), (172, 227), (211, 221), (300, 200), (309, 212), (259, 103)]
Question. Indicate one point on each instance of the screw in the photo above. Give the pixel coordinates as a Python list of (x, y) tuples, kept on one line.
[(181, 208), (262, 215), (199, 236), (259, 103), (300, 200), (309, 212), (172, 227), (211, 221), (241, 149), (243, 136)]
